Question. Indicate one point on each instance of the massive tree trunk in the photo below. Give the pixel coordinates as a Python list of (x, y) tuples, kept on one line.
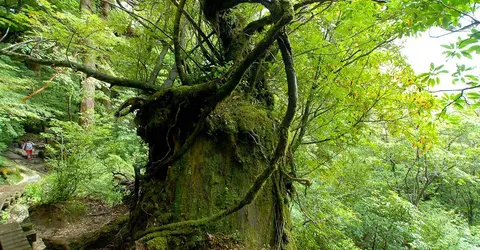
[(207, 183), (214, 174)]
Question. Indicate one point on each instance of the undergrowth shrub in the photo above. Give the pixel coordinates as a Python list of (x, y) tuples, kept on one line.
[(83, 160)]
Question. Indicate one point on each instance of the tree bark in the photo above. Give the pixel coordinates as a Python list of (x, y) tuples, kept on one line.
[(87, 105)]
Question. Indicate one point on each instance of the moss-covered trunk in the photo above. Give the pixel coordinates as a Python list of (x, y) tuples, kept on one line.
[(214, 174)]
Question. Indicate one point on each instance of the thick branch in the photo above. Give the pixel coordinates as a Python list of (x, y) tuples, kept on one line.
[(286, 50), (47, 83), (114, 81), (259, 25), (210, 8), (256, 53), (308, 2), (177, 43), (171, 77)]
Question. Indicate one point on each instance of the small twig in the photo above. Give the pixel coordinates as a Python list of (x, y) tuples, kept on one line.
[(458, 11), (100, 214), (305, 182), (122, 174), (68, 47), (11, 47), (454, 90), (6, 33), (444, 110), (304, 212), (47, 83)]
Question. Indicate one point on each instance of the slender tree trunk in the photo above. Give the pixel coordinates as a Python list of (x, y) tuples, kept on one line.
[(105, 88), (105, 9), (87, 105)]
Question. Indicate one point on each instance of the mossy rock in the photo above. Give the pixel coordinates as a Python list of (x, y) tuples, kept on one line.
[(9, 175)]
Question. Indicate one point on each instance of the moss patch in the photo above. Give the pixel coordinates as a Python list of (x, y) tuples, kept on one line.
[(159, 243), (238, 115), (9, 173)]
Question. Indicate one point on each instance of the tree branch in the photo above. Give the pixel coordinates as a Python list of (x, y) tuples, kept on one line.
[(364, 54), (158, 66), (454, 90), (259, 25), (6, 33), (308, 2), (177, 43), (199, 30), (114, 81), (256, 53)]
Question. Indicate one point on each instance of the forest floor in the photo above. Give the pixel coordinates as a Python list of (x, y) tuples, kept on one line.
[(60, 224)]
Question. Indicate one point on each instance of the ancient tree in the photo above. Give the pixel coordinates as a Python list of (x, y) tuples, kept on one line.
[(217, 155)]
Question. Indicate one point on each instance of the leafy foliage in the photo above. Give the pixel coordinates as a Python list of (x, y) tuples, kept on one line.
[(387, 171), (84, 160)]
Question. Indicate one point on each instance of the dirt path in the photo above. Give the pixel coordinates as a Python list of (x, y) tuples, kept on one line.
[(29, 175), (29, 170), (35, 166)]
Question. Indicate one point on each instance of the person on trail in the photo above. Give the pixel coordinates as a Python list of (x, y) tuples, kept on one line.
[(28, 147)]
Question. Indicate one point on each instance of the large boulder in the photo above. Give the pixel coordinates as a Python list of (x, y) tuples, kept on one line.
[(18, 213)]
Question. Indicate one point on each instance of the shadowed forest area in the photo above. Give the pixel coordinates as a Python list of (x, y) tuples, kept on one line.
[(238, 124)]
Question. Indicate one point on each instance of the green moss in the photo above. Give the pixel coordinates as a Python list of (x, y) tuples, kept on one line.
[(238, 115), (9, 175), (192, 91), (75, 208), (158, 243), (226, 198)]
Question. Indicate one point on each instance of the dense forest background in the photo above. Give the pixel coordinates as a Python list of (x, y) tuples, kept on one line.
[(250, 124)]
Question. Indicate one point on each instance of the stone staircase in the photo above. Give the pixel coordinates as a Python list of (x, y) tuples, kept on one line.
[(9, 195), (14, 236)]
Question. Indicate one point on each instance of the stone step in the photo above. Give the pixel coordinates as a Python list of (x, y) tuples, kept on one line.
[(9, 195), (12, 237)]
